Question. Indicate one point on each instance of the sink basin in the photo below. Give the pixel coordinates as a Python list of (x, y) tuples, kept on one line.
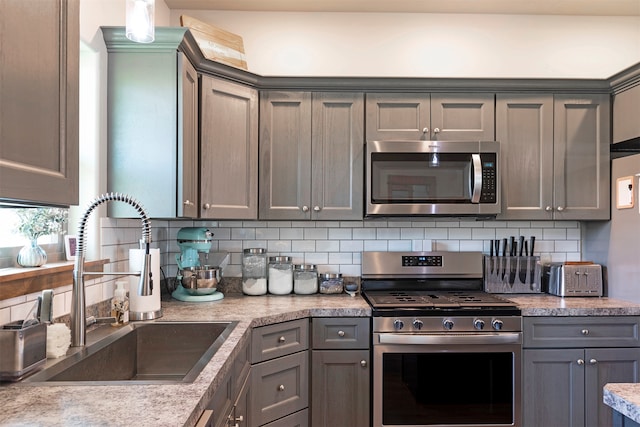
[(140, 353)]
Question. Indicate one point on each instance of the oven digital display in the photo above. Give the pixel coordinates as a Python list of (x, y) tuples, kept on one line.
[(422, 261)]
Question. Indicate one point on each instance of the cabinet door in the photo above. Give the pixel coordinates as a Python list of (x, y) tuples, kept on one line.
[(39, 101), (340, 388), (285, 155), (398, 116), (337, 163), (187, 200), (553, 388), (240, 415), (229, 150), (524, 128), (607, 365), (626, 106), (462, 117), (279, 387), (581, 157)]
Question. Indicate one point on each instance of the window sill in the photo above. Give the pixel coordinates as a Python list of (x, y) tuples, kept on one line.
[(15, 282)]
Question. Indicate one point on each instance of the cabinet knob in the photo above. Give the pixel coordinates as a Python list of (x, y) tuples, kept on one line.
[(560, 208), (281, 387), (281, 339), (584, 332), (436, 130), (580, 362), (593, 361), (206, 206), (305, 208), (316, 208), (363, 363), (548, 209), (425, 130), (341, 334), (188, 203)]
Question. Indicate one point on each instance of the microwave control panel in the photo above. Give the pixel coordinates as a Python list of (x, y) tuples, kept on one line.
[(489, 178)]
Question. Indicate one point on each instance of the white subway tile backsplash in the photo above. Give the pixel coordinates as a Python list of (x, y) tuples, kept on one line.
[(335, 246)]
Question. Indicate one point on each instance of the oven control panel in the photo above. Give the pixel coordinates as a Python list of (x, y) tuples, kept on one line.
[(422, 261), (436, 324)]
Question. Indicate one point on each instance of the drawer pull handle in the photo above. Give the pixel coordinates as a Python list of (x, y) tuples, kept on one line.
[(593, 361), (281, 387), (281, 339), (363, 363), (580, 362), (341, 334), (585, 332)]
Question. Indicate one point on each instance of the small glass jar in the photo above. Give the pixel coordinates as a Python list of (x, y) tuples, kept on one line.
[(280, 275), (331, 283), (254, 271), (305, 279)]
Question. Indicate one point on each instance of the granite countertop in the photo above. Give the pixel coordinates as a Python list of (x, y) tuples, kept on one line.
[(551, 305), (167, 404), (624, 398), (182, 404)]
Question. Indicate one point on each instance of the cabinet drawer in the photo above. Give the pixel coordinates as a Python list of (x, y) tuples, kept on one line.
[(279, 387), (566, 332), (340, 333), (299, 419), (269, 342)]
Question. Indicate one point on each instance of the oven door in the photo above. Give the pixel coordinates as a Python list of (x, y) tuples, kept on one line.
[(447, 380), (432, 177)]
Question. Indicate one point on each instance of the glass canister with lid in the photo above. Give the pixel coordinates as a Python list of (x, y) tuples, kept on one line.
[(305, 279), (331, 283), (280, 275), (254, 271)]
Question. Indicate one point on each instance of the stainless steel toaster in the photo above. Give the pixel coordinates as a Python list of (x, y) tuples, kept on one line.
[(574, 279)]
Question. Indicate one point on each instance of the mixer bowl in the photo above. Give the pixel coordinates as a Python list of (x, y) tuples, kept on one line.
[(200, 280)]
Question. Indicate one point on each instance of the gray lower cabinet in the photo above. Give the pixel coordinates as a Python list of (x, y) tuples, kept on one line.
[(566, 363), (620, 420), (555, 156), (228, 150), (279, 374), (153, 130), (39, 103), (436, 116), (340, 372), (311, 155)]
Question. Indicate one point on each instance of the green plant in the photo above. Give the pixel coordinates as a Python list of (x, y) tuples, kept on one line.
[(36, 222)]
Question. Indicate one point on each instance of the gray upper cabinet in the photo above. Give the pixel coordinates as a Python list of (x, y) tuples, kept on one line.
[(153, 124), (229, 150), (555, 156), (39, 41), (626, 114), (437, 116), (311, 155)]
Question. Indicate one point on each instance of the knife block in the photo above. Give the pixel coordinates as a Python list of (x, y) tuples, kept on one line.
[(512, 274)]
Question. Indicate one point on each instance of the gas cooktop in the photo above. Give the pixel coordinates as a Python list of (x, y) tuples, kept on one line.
[(434, 299)]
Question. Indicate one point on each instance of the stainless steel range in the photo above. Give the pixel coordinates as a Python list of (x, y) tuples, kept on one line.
[(445, 353)]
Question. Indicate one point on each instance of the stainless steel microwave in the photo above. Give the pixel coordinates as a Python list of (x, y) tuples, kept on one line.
[(443, 178)]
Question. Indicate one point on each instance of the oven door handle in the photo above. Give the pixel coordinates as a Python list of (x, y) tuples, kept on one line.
[(451, 339), (476, 185)]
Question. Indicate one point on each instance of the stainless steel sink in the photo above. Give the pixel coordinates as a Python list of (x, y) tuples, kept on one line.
[(140, 353)]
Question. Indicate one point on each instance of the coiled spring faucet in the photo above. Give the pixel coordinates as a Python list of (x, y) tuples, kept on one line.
[(145, 285)]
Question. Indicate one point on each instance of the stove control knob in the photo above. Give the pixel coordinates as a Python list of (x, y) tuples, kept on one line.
[(448, 324), (478, 324), (398, 324), (417, 324), (497, 324)]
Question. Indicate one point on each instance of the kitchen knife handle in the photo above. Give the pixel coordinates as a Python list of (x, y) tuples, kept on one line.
[(512, 248), (491, 247), (533, 241), (504, 247), (521, 245)]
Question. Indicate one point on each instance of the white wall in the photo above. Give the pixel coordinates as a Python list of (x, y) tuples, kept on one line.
[(430, 45)]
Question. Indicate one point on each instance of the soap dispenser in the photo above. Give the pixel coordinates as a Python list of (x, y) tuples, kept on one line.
[(120, 305)]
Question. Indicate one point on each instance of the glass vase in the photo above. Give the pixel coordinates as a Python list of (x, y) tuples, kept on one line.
[(32, 255)]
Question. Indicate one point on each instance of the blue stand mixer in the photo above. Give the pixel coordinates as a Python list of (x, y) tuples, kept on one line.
[(195, 281)]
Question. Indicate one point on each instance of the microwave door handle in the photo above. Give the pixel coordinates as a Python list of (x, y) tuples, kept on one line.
[(476, 185)]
